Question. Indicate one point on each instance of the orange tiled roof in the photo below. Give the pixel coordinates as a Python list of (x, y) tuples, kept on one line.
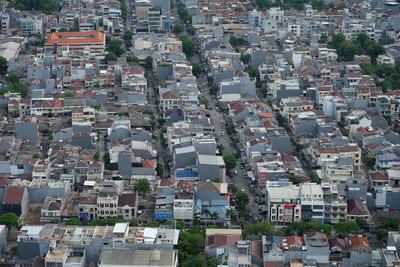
[(76, 38)]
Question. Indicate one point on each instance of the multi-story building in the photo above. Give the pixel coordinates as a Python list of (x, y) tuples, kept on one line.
[(107, 206), (283, 202), (76, 43), (312, 202), (335, 206)]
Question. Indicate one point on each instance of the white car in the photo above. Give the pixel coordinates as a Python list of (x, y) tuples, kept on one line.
[(222, 133), (235, 172), (222, 121)]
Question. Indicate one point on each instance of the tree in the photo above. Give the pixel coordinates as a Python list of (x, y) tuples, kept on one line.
[(187, 46), (97, 107), (369, 160), (63, 30), (242, 199), (12, 78), (204, 101), (374, 49), (314, 177), (237, 41), (214, 216), (295, 179), (196, 69), (16, 88), (128, 34), (69, 94), (214, 89), (96, 155), (346, 51), (191, 30), (73, 221), (323, 39), (148, 63), (9, 219), (132, 59), (178, 29), (230, 161), (344, 229), (159, 169), (264, 91), (381, 234), (362, 40), (114, 46), (45, 6), (337, 39), (3, 65), (245, 58), (264, 228), (183, 13), (142, 186), (253, 73), (206, 213), (110, 56), (36, 155)]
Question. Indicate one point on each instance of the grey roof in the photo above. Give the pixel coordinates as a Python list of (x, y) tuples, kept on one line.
[(130, 257), (142, 171)]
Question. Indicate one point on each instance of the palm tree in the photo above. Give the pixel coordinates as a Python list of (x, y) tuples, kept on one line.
[(206, 213), (214, 216)]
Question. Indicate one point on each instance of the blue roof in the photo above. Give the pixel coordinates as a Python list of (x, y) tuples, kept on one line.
[(186, 173)]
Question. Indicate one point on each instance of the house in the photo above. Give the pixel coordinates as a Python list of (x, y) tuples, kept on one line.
[(210, 167), (16, 200), (138, 257), (51, 209), (128, 205), (357, 209), (360, 251), (221, 239), (312, 203), (66, 256)]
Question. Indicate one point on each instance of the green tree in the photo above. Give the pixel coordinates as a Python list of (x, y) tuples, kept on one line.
[(323, 39), (142, 186), (110, 56), (128, 34), (214, 89), (260, 229), (36, 155), (369, 160), (242, 199), (347, 50), (69, 94), (187, 46), (362, 40), (9, 219), (16, 88), (295, 179), (237, 41), (245, 58), (178, 29), (374, 49), (132, 59), (96, 155), (196, 69), (253, 73), (160, 169), (45, 6), (73, 221), (263, 91), (204, 101), (148, 63), (63, 30), (314, 177), (12, 78), (183, 13), (3, 65), (114, 46), (230, 161), (344, 229), (381, 234), (97, 107), (191, 30), (337, 39)]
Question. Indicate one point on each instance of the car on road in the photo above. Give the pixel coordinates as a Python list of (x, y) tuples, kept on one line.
[(235, 172), (222, 121), (222, 133)]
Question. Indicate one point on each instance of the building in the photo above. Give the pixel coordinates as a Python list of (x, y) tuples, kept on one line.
[(138, 258), (283, 203), (210, 167), (16, 200), (312, 202), (70, 43)]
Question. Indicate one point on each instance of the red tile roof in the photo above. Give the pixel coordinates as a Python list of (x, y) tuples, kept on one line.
[(356, 207), (358, 242), (13, 195), (217, 241)]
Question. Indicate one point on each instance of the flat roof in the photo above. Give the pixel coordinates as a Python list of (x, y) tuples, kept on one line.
[(92, 37), (211, 160), (120, 228)]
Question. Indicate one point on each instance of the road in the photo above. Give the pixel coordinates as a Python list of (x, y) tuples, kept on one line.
[(239, 180)]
